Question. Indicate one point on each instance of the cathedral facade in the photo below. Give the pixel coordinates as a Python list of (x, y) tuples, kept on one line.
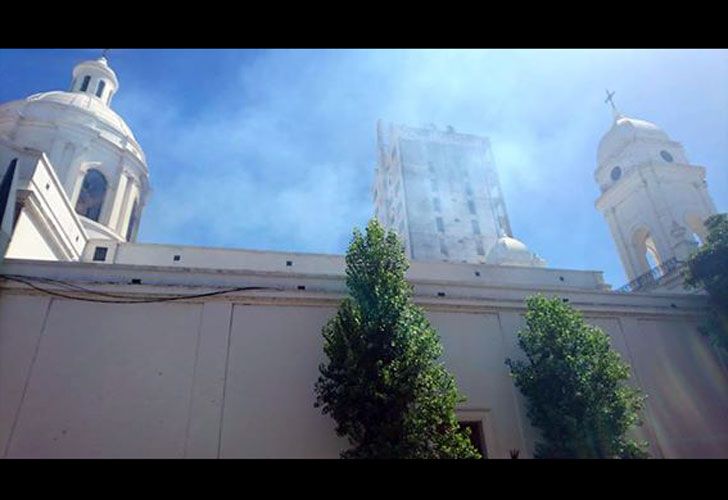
[(113, 348)]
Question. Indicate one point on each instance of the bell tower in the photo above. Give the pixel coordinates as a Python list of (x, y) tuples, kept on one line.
[(654, 200)]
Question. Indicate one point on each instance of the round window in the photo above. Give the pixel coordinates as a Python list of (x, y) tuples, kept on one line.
[(616, 173), (666, 156)]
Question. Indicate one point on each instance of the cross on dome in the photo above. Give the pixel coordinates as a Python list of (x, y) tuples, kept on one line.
[(610, 99)]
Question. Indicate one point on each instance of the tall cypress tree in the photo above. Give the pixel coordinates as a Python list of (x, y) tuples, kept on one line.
[(574, 385), (383, 383)]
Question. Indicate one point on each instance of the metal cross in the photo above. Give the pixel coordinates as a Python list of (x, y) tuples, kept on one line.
[(104, 52), (609, 100)]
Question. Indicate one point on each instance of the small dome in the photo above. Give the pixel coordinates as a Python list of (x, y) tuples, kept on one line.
[(624, 131), (512, 252)]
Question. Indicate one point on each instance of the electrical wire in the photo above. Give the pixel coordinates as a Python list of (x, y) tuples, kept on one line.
[(114, 298), (65, 284)]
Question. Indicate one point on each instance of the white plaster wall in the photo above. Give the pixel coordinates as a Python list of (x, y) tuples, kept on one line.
[(21, 321), (232, 379), (474, 351), (47, 228), (511, 322), (208, 390), (28, 242), (269, 392), (106, 381), (334, 265), (686, 387), (613, 327), (52, 201), (154, 381)]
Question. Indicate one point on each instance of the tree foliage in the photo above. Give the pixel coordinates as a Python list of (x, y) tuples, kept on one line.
[(574, 386), (708, 268), (383, 383)]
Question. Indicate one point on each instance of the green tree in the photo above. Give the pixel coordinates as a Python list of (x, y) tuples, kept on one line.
[(574, 386), (383, 383), (708, 269)]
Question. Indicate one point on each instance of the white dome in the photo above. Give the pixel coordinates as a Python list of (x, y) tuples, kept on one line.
[(85, 106), (86, 103), (512, 252), (71, 108), (625, 131)]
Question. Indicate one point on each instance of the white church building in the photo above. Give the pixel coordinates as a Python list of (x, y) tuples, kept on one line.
[(112, 348)]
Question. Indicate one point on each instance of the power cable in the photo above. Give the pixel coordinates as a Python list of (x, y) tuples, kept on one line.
[(118, 299)]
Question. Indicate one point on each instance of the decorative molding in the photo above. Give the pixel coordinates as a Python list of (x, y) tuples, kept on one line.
[(47, 226), (328, 290)]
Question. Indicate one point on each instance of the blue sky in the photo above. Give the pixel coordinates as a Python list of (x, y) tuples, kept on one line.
[(275, 149)]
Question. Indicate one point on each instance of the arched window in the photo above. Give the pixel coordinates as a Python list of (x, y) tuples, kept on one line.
[(91, 198), (646, 251), (5, 182), (100, 88), (86, 81), (651, 254), (133, 218)]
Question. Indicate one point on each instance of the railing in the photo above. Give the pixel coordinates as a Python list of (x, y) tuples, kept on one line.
[(653, 277)]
